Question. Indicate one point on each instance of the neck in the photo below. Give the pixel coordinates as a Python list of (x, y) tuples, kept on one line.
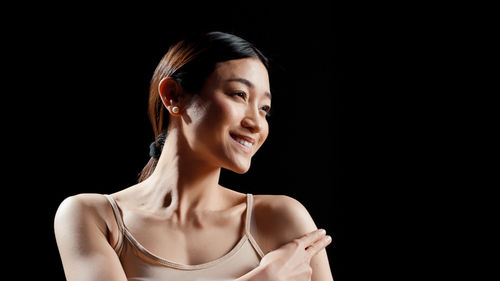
[(182, 183)]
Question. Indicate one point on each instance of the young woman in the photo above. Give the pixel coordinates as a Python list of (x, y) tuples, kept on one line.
[(208, 103)]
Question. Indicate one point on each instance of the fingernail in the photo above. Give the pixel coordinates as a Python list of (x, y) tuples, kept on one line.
[(322, 231), (328, 238)]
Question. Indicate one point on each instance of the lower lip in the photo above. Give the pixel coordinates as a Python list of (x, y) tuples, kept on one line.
[(244, 148)]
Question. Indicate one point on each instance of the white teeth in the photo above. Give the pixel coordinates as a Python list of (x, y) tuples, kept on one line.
[(243, 142)]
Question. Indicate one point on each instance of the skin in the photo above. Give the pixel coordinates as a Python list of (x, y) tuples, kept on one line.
[(181, 204)]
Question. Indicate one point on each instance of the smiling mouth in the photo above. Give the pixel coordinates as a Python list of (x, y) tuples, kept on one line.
[(241, 141)]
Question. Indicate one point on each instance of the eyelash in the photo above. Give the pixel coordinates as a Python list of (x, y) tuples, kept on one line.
[(243, 95), (267, 110)]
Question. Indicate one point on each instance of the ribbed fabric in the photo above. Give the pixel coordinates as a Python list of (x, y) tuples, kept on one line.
[(140, 264)]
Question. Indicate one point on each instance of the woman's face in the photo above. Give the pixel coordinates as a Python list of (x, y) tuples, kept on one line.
[(226, 123)]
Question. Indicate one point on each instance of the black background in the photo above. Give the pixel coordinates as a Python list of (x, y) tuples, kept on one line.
[(352, 94), (370, 129), (79, 79)]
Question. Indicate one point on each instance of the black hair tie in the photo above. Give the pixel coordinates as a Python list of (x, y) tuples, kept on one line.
[(156, 147)]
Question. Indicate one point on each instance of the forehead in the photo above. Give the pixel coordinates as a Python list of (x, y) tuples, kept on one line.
[(251, 69)]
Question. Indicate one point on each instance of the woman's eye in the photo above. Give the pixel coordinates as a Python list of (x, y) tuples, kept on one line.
[(267, 110), (242, 95)]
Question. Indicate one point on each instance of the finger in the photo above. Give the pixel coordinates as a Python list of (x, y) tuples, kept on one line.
[(311, 237), (319, 245)]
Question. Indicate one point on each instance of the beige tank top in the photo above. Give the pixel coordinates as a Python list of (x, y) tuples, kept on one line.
[(140, 264)]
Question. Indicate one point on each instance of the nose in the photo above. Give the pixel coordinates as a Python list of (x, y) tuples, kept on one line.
[(252, 122)]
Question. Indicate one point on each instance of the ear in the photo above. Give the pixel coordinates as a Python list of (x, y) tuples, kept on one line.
[(170, 93)]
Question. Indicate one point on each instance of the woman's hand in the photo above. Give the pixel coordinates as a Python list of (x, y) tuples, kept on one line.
[(291, 262)]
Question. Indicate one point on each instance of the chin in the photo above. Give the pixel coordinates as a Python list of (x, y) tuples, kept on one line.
[(241, 172), (240, 169)]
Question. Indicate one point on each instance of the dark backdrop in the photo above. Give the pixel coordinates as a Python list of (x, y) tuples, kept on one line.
[(80, 79), (364, 111)]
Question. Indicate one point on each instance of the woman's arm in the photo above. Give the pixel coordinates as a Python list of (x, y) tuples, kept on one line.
[(285, 219), (291, 262), (81, 235)]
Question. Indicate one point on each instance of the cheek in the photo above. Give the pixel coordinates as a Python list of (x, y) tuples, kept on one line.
[(222, 112), (264, 134), (212, 117)]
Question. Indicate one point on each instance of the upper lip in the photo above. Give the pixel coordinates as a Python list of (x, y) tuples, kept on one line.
[(243, 137)]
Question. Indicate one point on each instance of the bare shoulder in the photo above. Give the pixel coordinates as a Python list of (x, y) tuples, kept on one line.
[(83, 208), (83, 201), (280, 219), (285, 205), (84, 239)]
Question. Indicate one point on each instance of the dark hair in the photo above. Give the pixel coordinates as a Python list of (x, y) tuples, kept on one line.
[(190, 62)]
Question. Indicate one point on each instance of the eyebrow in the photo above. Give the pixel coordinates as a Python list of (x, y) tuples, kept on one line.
[(248, 84)]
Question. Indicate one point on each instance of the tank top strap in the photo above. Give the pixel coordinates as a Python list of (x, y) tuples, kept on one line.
[(116, 212), (250, 222), (248, 216)]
